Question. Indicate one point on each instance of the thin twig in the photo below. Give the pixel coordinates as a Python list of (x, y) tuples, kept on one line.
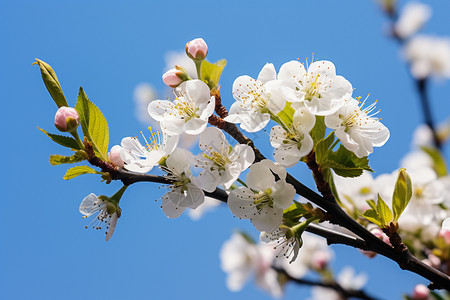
[(345, 293)]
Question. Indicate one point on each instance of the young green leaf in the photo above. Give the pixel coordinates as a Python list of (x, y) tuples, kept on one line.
[(384, 212), (93, 123), (439, 164), (345, 163), (372, 204), (51, 83), (211, 72), (79, 170), (318, 131), (372, 216), (322, 148), (62, 140), (402, 194), (60, 159), (296, 210)]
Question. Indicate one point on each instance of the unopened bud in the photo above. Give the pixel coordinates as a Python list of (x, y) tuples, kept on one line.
[(320, 260), (445, 231), (114, 156), (421, 292), (197, 49), (67, 119), (381, 235), (174, 77)]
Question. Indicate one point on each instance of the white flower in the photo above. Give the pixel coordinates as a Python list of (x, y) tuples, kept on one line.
[(315, 254), (357, 130), (183, 191), (429, 56), (188, 113), (428, 193), (416, 160), (354, 192), (239, 259), (142, 159), (221, 163), (284, 240), (256, 99), (106, 212), (413, 16), (346, 279), (264, 200), (317, 87), (291, 146)]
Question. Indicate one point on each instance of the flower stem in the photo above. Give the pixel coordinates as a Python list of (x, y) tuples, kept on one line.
[(77, 138), (198, 65)]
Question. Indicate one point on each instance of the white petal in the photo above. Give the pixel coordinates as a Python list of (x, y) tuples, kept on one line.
[(240, 201), (268, 219), (171, 210), (283, 194), (195, 126), (173, 126), (292, 71), (213, 139), (179, 161), (112, 226), (88, 203), (195, 90), (158, 108), (260, 177), (267, 73)]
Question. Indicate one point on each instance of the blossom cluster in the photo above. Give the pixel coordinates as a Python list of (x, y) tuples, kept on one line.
[(428, 55)]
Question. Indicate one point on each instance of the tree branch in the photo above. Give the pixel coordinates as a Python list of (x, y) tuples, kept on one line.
[(345, 293)]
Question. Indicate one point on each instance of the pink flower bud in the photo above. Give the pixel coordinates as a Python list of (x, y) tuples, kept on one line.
[(197, 49), (369, 254), (174, 77), (445, 234), (320, 260), (381, 235), (114, 156), (421, 292), (67, 119)]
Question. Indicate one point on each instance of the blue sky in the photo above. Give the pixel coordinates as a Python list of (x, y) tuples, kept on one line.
[(110, 47)]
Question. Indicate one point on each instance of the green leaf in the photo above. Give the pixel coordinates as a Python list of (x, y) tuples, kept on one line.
[(372, 204), (60, 159), (287, 114), (384, 212), (402, 194), (372, 216), (439, 164), (51, 83), (330, 180), (345, 163), (318, 131), (94, 124), (295, 211), (62, 140), (211, 72), (323, 147), (79, 170)]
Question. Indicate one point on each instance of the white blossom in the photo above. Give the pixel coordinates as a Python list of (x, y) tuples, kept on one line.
[(264, 199), (256, 99), (412, 17), (209, 205), (184, 192), (346, 279), (221, 163), (241, 259), (353, 192), (106, 213), (284, 240), (317, 87), (429, 56), (188, 113), (356, 127), (143, 94), (142, 159), (290, 146)]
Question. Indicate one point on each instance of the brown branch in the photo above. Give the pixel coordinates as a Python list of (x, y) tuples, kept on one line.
[(345, 293), (405, 259)]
